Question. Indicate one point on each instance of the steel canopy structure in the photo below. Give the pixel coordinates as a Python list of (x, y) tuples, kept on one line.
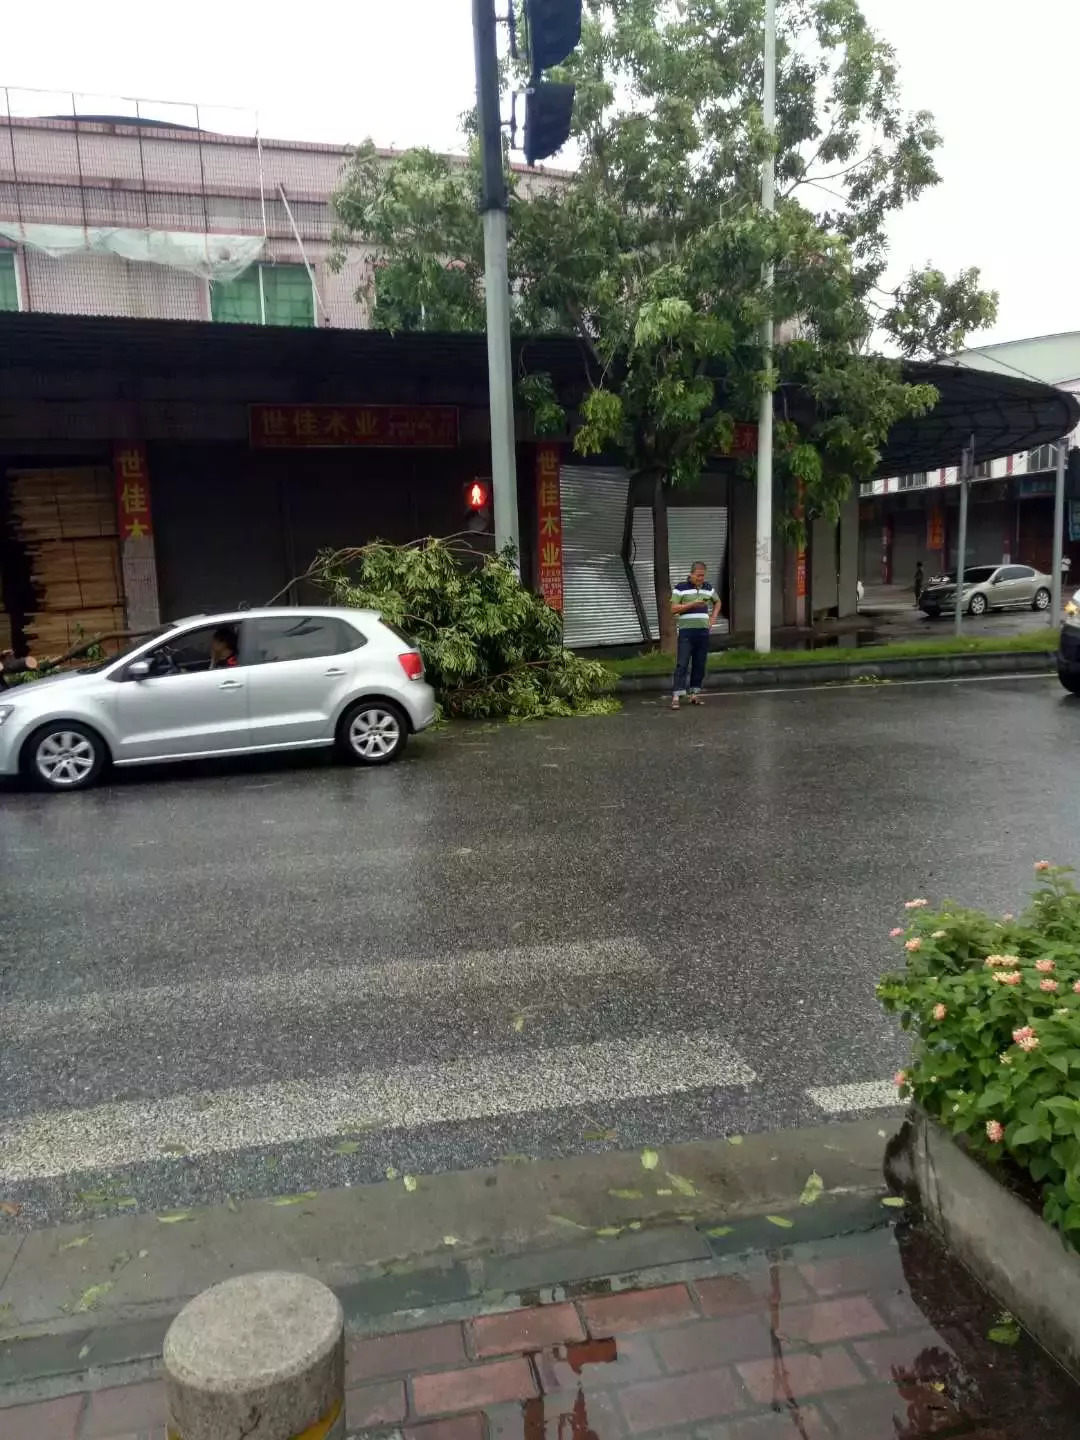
[(1006, 413)]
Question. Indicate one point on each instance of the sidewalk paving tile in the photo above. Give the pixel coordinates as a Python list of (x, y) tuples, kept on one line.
[(50, 1420), (426, 1349), (445, 1391), (122, 1409), (521, 1331), (639, 1310), (370, 1406)]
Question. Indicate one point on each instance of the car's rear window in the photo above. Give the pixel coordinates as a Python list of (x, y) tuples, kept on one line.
[(395, 630)]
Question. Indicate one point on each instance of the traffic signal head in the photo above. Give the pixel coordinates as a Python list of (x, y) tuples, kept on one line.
[(549, 110), (477, 495), (554, 32), (478, 506)]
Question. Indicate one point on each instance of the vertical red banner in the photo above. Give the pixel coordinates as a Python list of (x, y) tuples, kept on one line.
[(549, 525), (131, 474)]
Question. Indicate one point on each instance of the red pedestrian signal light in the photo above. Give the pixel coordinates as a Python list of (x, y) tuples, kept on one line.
[(477, 495)]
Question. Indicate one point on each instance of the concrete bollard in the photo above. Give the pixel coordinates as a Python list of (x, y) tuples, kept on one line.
[(261, 1357)]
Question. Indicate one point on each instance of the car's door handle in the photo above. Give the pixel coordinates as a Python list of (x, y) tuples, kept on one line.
[(335, 670), (231, 685)]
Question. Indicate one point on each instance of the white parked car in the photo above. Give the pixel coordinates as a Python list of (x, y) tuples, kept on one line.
[(238, 683)]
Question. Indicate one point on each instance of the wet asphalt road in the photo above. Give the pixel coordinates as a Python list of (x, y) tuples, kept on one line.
[(286, 975)]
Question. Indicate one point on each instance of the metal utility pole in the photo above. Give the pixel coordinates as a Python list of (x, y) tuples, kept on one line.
[(493, 207), (1059, 530), (967, 468), (763, 548)]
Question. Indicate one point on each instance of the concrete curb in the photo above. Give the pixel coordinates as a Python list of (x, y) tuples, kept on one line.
[(1006, 1245), (731, 678)]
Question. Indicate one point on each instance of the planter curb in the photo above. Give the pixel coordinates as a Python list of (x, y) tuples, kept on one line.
[(1020, 1259), (997, 662)]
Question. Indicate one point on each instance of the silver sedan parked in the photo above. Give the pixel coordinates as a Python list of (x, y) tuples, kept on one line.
[(231, 684), (989, 587)]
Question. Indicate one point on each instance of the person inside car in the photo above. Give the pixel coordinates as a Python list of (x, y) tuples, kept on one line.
[(223, 647)]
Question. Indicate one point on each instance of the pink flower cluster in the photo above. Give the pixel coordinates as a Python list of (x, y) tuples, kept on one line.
[(1008, 977), (1076, 988), (900, 1078), (993, 961), (896, 932), (911, 945), (915, 904), (1044, 966), (1041, 866), (995, 1131), (940, 1011), (1026, 1038), (1048, 985)]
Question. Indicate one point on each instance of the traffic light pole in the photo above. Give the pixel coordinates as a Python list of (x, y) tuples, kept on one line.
[(763, 546), (493, 206)]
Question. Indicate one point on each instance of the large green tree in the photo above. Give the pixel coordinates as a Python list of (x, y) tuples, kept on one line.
[(652, 247)]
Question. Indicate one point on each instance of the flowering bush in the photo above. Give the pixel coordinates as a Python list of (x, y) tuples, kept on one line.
[(995, 1007)]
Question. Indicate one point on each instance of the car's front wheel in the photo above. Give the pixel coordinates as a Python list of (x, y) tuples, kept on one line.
[(64, 756), (1042, 599), (977, 605), (373, 732)]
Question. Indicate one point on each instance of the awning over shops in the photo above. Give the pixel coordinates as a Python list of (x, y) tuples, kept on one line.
[(1006, 413)]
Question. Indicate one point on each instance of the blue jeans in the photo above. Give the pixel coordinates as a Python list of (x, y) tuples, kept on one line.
[(692, 656)]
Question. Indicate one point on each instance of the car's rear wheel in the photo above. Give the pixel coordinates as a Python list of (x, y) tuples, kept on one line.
[(1070, 682), (373, 732), (64, 756), (1042, 599), (977, 605)]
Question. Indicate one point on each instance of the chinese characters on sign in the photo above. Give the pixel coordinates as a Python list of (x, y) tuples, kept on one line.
[(135, 524), (549, 525), (744, 441), (132, 491), (305, 427), (935, 529)]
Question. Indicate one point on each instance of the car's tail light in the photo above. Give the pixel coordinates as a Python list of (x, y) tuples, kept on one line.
[(412, 664)]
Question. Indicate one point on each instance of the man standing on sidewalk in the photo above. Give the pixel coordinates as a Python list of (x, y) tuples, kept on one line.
[(695, 605)]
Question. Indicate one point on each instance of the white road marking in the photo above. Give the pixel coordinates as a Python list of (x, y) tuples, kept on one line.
[(511, 1082), (532, 967), (861, 1095)]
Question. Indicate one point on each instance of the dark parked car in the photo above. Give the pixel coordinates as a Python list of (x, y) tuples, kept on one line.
[(1068, 656), (989, 587)]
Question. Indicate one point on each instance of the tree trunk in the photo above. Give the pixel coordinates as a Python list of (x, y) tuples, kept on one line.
[(662, 565)]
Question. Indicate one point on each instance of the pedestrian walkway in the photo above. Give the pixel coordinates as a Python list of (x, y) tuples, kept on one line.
[(874, 1336)]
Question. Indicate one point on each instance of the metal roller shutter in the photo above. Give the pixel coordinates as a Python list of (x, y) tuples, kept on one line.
[(695, 532), (598, 608)]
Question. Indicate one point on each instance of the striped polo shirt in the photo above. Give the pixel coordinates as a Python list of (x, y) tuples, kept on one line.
[(705, 596)]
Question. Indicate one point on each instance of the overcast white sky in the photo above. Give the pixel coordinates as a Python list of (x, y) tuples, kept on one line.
[(996, 74)]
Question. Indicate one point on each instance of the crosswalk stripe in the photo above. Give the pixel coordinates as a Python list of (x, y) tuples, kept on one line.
[(329, 987), (859, 1095), (485, 1085)]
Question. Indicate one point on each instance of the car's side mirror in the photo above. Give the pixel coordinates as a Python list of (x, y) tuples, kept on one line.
[(139, 670)]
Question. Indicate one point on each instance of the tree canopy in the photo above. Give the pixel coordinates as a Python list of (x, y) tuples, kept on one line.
[(652, 247)]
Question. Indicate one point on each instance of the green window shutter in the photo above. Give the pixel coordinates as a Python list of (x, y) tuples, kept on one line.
[(9, 286), (289, 297), (237, 301)]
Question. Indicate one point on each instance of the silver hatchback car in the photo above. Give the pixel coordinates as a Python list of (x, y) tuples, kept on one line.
[(239, 683)]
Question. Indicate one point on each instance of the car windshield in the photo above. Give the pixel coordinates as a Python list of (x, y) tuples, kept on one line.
[(974, 575), (95, 665)]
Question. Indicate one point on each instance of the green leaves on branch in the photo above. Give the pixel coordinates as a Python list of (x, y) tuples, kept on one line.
[(491, 648), (994, 1006)]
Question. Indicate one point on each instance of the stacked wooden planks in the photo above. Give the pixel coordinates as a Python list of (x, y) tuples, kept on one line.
[(66, 519)]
